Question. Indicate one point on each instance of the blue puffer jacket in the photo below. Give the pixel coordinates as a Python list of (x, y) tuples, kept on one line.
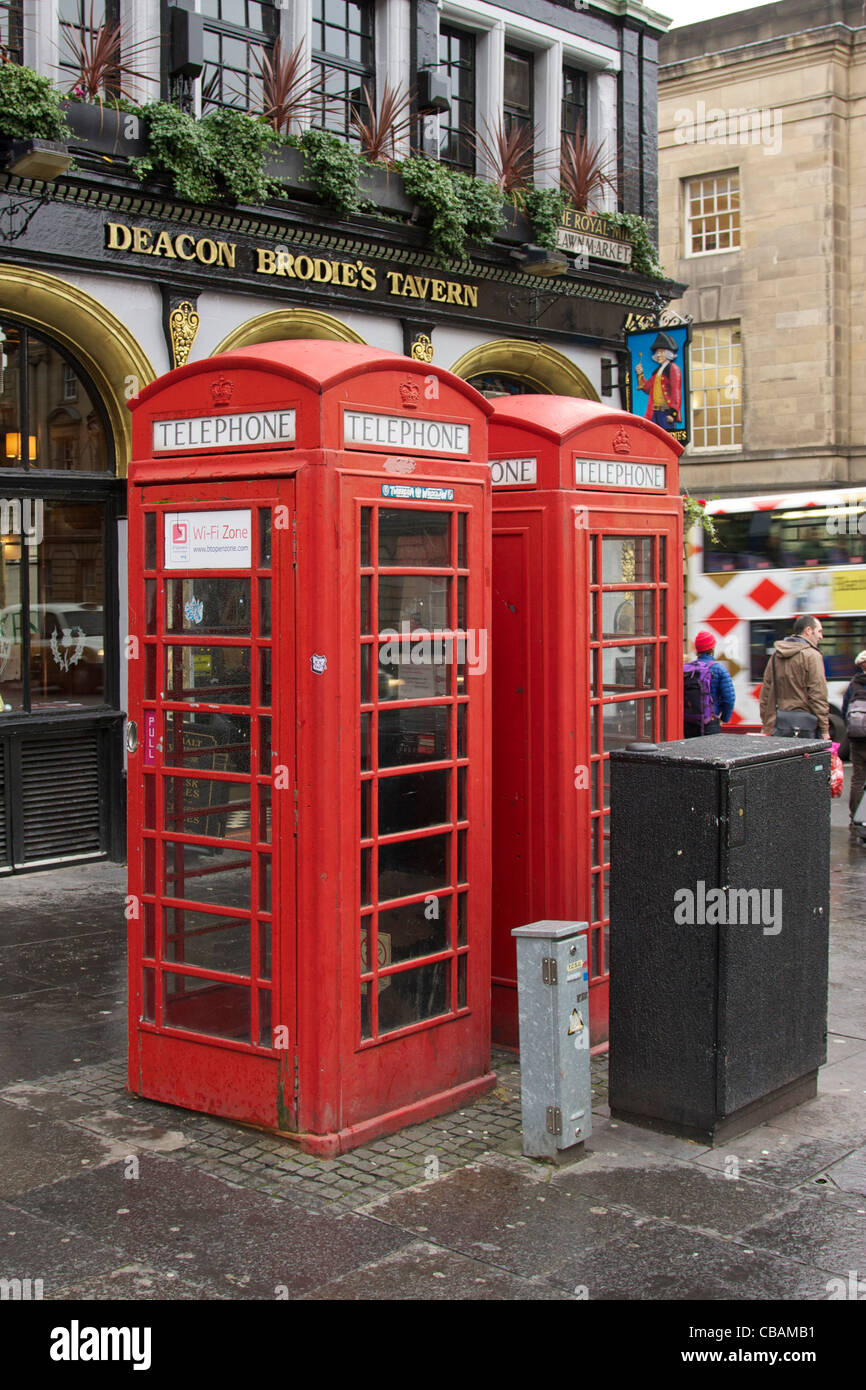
[(721, 688)]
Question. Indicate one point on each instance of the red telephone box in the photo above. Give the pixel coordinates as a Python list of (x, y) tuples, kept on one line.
[(309, 827), (587, 642)]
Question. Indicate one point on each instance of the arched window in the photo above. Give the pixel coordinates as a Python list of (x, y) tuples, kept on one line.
[(58, 507), (51, 417), (493, 384)]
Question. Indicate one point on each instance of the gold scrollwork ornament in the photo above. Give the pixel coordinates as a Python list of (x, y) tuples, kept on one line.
[(183, 325), (422, 348)]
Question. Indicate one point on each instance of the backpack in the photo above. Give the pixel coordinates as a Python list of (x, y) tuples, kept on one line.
[(698, 707), (855, 719)]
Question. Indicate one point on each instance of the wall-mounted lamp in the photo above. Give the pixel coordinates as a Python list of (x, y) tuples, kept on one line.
[(432, 93), (13, 446), (36, 159), (537, 260)]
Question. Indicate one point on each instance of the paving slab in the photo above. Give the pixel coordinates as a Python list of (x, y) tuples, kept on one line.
[(428, 1273), (35, 1150), (685, 1193), (827, 1230), (504, 1213), (137, 1283), (849, 1173), (33, 1247), (179, 1219), (663, 1261), (784, 1159)]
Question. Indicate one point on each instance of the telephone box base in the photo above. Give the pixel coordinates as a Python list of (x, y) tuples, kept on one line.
[(341, 1141), (233, 1086)]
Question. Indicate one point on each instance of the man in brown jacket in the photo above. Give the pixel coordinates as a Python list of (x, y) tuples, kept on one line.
[(800, 675)]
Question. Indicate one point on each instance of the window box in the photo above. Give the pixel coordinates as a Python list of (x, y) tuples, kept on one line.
[(385, 188), (105, 129)]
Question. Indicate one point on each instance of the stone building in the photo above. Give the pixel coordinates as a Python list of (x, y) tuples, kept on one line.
[(762, 192)]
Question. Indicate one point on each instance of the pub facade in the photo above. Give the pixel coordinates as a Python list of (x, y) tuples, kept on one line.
[(113, 271)]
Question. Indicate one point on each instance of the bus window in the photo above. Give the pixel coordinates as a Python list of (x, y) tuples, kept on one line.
[(791, 538), (844, 637)]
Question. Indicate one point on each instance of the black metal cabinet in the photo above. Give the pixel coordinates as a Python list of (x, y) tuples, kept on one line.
[(720, 854)]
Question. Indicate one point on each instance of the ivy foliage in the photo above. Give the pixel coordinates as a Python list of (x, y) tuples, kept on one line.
[(333, 168), (644, 259), (218, 157), (30, 105), (460, 208), (544, 208), (695, 510)]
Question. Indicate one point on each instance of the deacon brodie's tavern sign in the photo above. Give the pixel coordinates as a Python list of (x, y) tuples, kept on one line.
[(357, 275)]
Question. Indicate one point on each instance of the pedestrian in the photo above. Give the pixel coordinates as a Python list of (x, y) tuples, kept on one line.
[(794, 691), (708, 691), (854, 714)]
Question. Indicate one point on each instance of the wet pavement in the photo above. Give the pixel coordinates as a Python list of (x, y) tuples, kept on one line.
[(104, 1196)]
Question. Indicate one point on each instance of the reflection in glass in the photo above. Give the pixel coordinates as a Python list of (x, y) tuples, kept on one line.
[(628, 668), (628, 612), (201, 806), (410, 931), (414, 866), (264, 538), (67, 597), (208, 607), (207, 874), (264, 813), (150, 540), (413, 995), (420, 539), (206, 1006), (413, 735), (207, 741), (412, 802), (211, 941), (264, 607), (414, 669), (215, 675), (265, 950), (421, 600), (626, 560)]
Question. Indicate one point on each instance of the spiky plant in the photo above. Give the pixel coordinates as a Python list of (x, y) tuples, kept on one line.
[(288, 88), (388, 121), (586, 171), (510, 154), (104, 57)]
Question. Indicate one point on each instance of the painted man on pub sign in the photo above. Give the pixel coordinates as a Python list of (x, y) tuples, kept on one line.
[(664, 387)]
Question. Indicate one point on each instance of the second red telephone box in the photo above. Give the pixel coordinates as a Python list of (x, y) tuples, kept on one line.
[(587, 643), (309, 772)]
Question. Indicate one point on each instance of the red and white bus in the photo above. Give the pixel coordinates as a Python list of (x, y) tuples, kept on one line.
[(779, 556)]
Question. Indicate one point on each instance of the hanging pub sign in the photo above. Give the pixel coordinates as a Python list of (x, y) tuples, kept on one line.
[(658, 377)]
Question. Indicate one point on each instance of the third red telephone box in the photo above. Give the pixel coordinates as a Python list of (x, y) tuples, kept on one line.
[(309, 838), (587, 643)]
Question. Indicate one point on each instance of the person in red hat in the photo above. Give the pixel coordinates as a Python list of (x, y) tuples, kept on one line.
[(708, 691)]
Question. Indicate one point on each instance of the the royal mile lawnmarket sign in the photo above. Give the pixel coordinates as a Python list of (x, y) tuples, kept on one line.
[(584, 234)]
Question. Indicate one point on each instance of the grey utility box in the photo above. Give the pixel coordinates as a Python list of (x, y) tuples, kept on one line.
[(719, 908), (553, 1009)]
